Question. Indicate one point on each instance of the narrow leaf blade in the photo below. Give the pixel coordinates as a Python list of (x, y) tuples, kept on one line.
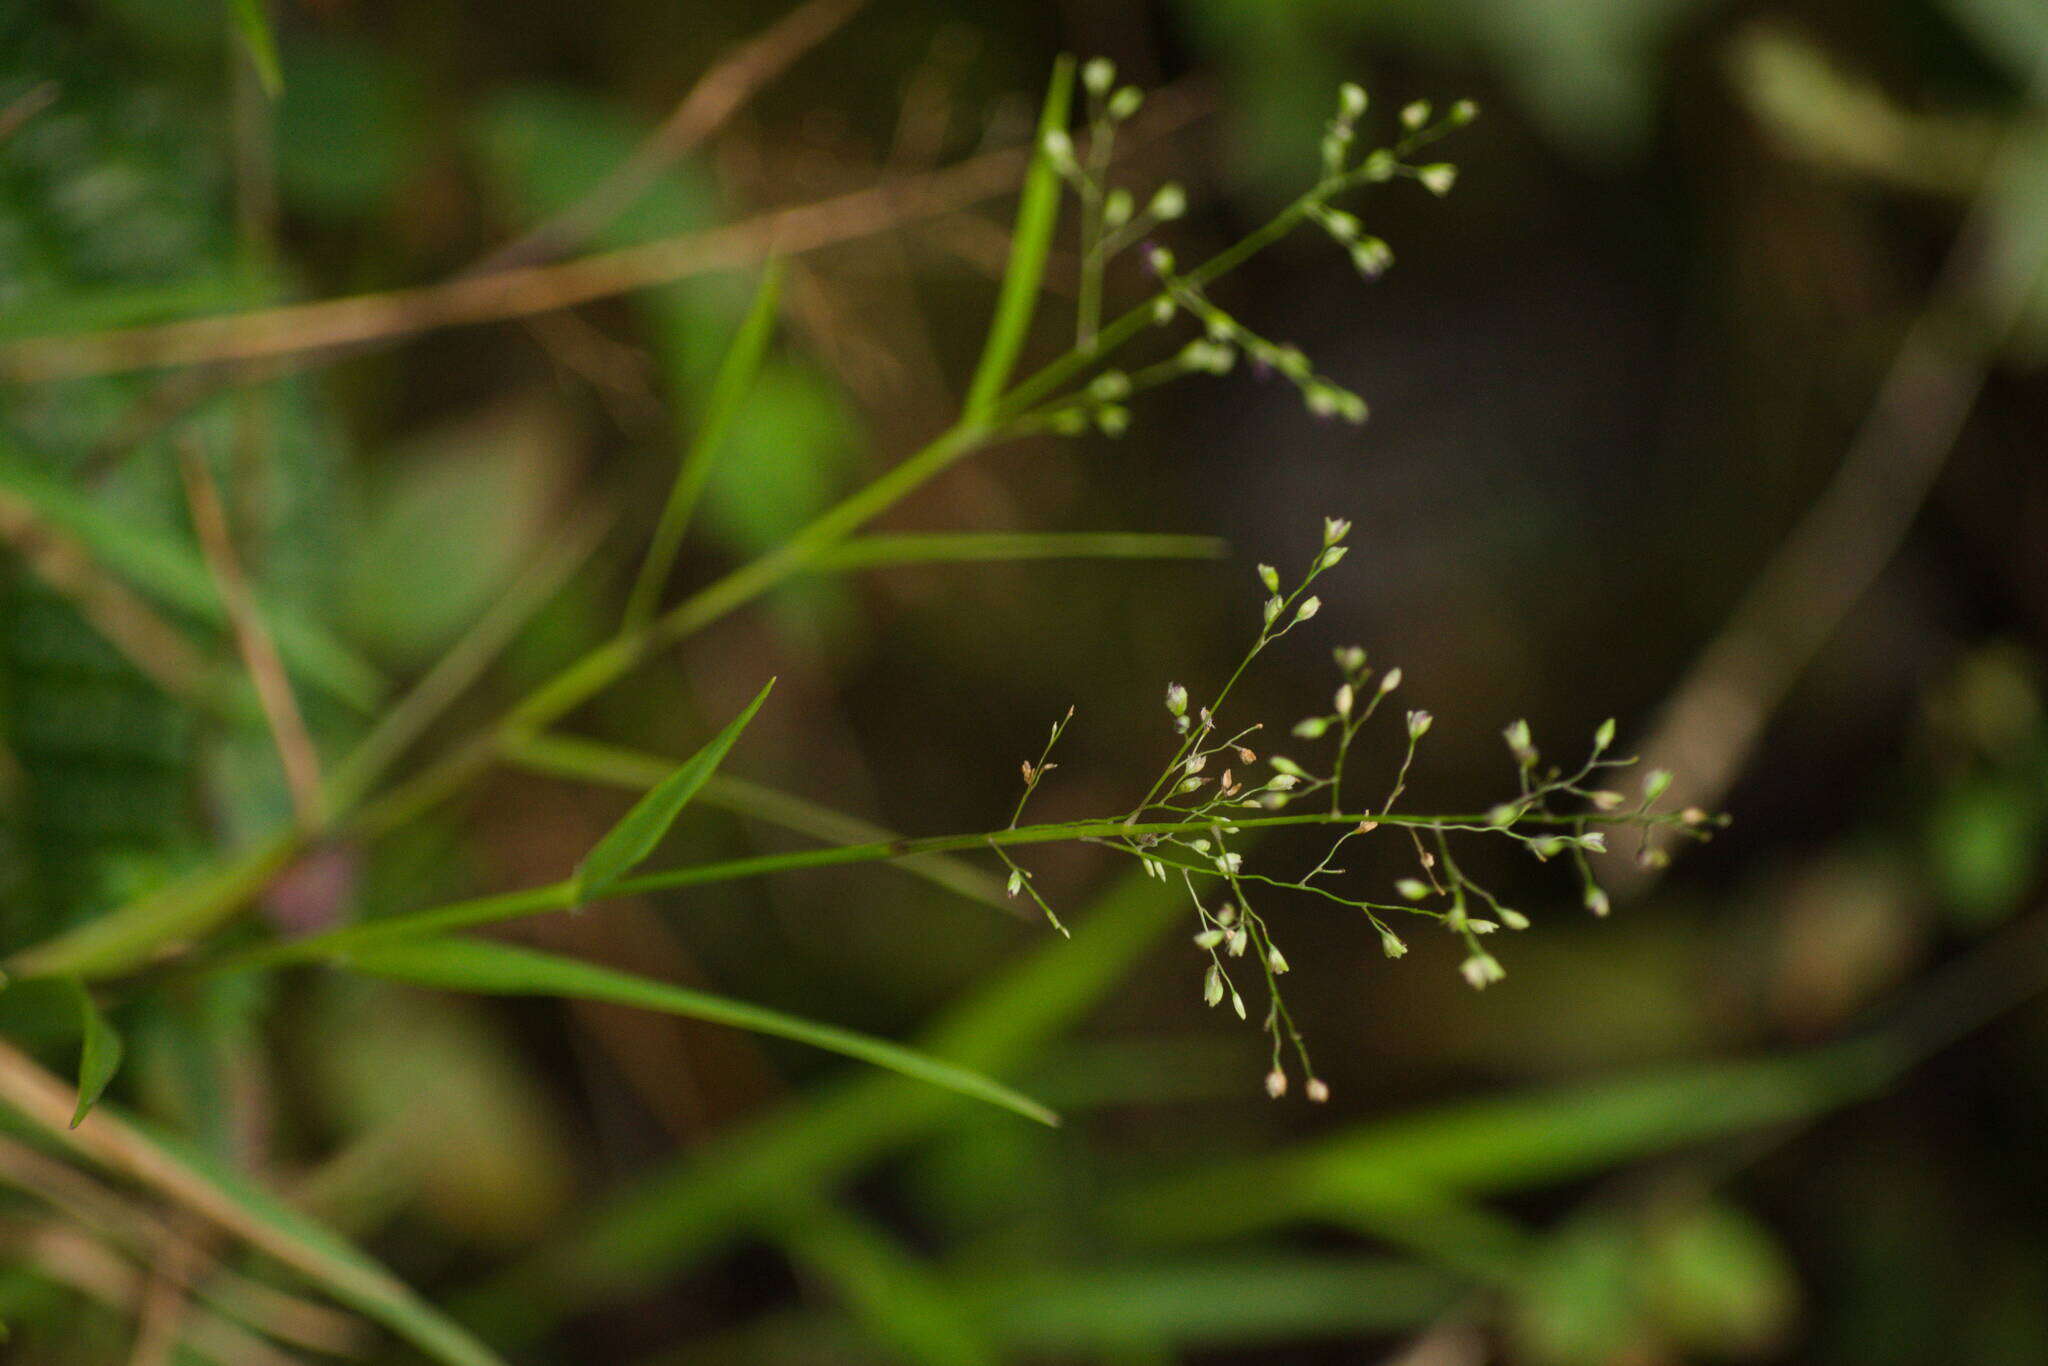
[(633, 838), (1030, 242), (948, 547), (253, 23), (99, 1056), (736, 376), (493, 968)]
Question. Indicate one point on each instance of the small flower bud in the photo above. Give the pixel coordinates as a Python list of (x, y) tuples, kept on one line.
[(1312, 727), (1098, 75), (1335, 529), (1208, 939), (1176, 699), (1344, 699), (1316, 1090), (1380, 165), (1412, 888), (1372, 257), (1390, 680), (1059, 150), (1282, 782), (1226, 914), (1340, 225), (1438, 178), (1519, 743), (1125, 102), (1169, 202), (1606, 801), (1419, 723), (1273, 606), (1350, 658), (1351, 100), (1110, 384), (1692, 815), (1656, 784), (1481, 970), (1596, 901), (1270, 577), (1238, 940), (1016, 882), (1463, 112), (1514, 920), (1160, 260), (1604, 736), (1391, 945), (1414, 115), (1275, 959), (1117, 207), (1212, 986), (1163, 310), (1276, 1083), (1308, 608), (1237, 1004), (1335, 554)]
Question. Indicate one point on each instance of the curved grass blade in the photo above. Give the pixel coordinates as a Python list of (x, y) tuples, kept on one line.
[(950, 547), (99, 1056), (1038, 211), (498, 969), (736, 376), (253, 23), (633, 839)]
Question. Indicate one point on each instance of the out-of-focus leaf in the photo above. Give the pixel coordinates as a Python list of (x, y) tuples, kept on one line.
[(1510, 1143), (1581, 1302), (1248, 1299), (456, 517), (1718, 1282), (1038, 211), (735, 383), (172, 573), (428, 1081), (951, 547), (487, 966), (198, 1183), (99, 1053), (252, 21), (676, 1215), (345, 126), (635, 836), (884, 1285)]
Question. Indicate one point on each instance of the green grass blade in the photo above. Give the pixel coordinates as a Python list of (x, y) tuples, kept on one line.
[(686, 1210), (99, 1056), (253, 23), (171, 573), (1038, 212), (884, 1285), (947, 547), (564, 756), (194, 1181), (633, 839), (493, 968), (736, 376), (1503, 1144)]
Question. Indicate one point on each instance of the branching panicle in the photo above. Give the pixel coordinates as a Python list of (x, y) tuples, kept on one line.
[(1184, 827)]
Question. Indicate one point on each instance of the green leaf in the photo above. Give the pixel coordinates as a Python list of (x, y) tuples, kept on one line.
[(687, 1209), (590, 761), (195, 1181), (634, 838), (1030, 242), (99, 1056), (493, 968), (172, 574), (945, 547), (736, 376), (254, 25)]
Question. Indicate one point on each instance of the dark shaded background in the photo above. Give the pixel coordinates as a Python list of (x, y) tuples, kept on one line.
[(1612, 377)]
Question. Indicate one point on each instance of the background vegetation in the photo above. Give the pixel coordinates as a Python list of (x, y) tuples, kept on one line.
[(1710, 401)]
